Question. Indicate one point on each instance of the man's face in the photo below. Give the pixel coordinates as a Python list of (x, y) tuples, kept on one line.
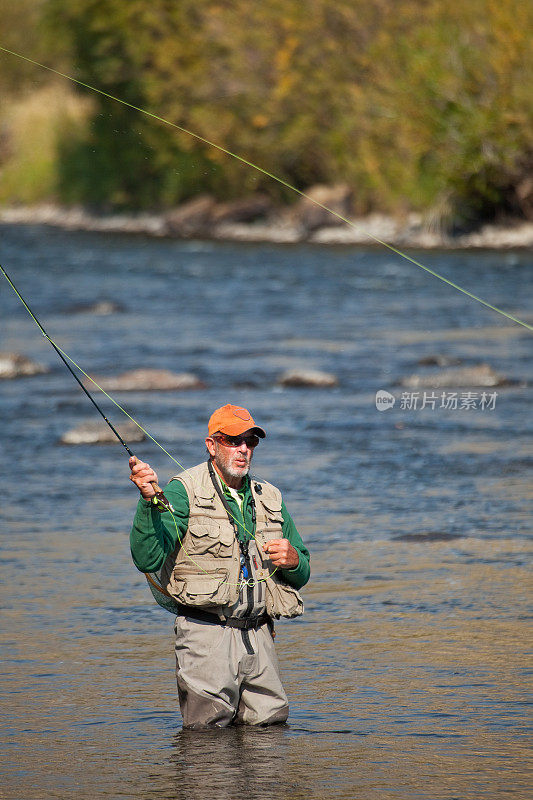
[(233, 462)]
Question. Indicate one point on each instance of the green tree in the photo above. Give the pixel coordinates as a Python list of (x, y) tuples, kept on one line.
[(418, 104)]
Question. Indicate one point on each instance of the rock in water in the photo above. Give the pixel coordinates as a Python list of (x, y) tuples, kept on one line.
[(308, 377), (13, 365), (143, 380), (97, 432), (439, 361), (101, 307), (480, 375)]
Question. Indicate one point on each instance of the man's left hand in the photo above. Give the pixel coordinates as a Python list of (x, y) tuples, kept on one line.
[(282, 553)]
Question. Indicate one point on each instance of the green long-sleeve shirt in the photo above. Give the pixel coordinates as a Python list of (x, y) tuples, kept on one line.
[(155, 535)]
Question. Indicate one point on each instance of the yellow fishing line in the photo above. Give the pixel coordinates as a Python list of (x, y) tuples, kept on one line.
[(275, 178), (138, 424), (240, 583)]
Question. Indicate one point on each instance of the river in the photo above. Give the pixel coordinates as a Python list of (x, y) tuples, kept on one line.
[(408, 673)]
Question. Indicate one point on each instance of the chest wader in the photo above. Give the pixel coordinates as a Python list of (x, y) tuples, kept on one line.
[(225, 676)]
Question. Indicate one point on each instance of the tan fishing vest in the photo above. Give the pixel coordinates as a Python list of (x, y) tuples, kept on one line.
[(205, 571)]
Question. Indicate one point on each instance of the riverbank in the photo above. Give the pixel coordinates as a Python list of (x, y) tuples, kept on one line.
[(205, 219)]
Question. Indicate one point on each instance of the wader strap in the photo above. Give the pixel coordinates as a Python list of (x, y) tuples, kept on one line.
[(247, 643)]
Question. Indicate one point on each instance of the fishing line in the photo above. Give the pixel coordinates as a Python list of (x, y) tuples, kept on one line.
[(275, 178), (240, 584), (66, 358), (63, 355)]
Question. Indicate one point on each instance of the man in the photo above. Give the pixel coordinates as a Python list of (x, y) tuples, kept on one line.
[(231, 560)]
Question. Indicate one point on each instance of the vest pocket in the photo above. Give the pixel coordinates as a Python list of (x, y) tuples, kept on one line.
[(209, 536), (261, 538), (282, 600), (272, 511), (269, 523), (202, 590)]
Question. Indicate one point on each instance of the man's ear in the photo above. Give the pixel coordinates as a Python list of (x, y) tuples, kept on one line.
[(209, 443)]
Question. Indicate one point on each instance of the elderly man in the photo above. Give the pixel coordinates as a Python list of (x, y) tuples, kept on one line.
[(230, 559)]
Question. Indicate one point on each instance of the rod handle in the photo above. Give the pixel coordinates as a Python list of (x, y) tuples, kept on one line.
[(161, 501)]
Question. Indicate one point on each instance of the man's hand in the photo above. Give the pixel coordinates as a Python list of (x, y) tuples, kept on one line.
[(142, 476), (282, 553)]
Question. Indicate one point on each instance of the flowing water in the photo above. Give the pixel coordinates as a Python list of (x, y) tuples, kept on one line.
[(408, 675)]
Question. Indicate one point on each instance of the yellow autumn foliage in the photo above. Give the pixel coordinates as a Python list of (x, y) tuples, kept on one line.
[(418, 104)]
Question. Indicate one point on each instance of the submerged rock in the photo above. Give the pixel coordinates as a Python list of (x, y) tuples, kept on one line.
[(102, 307), (14, 365), (97, 432), (480, 375), (438, 361), (308, 377), (141, 380)]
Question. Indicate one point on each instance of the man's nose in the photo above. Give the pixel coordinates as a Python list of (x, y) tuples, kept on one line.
[(243, 447)]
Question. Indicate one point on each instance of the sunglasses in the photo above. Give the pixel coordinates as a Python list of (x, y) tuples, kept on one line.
[(250, 440)]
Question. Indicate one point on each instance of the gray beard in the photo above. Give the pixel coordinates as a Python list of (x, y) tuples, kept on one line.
[(234, 473)]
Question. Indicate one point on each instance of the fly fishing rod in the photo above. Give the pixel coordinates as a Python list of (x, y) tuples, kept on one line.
[(159, 498)]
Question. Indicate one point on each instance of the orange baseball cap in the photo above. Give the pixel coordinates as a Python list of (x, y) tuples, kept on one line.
[(233, 420)]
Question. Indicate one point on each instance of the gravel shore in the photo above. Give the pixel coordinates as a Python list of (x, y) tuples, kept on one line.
[(280, 227)]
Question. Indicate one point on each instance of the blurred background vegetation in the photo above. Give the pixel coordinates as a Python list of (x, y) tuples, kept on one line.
[(421, 105)]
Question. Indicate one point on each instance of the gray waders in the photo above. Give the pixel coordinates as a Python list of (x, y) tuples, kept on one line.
[(227, 674), (226, 665)]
